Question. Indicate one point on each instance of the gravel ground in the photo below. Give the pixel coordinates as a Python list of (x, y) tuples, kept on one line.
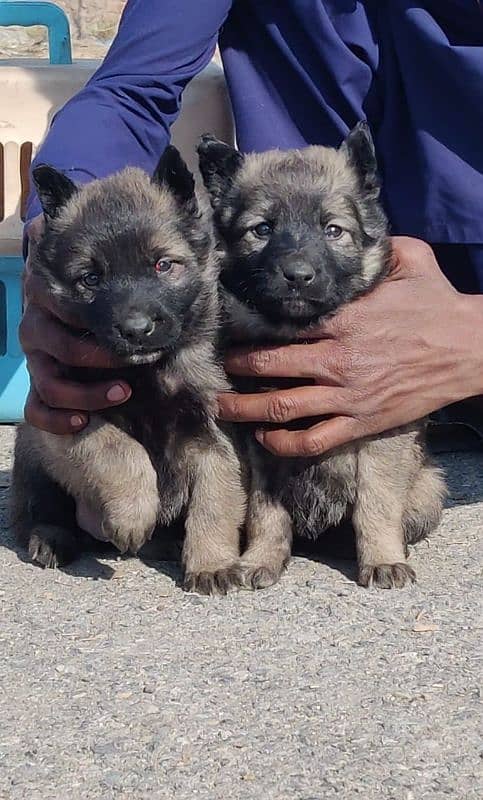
[(115, 684)]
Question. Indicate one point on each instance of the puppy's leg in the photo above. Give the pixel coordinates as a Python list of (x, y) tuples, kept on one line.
[(424, 504), (42, 514), (269, 538), (215, 515), (111, 473), (378, 512)]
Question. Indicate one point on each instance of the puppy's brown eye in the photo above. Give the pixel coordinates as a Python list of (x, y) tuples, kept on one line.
[(163, 265), (91, 280), (333, 232), (262, 230)]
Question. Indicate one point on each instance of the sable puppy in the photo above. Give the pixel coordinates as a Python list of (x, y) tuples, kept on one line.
[(133, 259), (302, 233)]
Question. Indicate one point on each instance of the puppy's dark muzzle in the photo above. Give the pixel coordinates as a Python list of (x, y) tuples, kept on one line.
[(136, 328), (141, 335), (298, 274)]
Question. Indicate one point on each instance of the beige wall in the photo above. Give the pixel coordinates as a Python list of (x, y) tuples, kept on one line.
[(93, 18), (93, 25)]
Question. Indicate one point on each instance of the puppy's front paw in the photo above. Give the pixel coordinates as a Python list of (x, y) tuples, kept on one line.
[(260, 577), (219, 581), (129, 526), (52, 546), (126, 539), (387, 576)]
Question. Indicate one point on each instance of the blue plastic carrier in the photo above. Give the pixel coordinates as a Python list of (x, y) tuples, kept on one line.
[(14, 380)]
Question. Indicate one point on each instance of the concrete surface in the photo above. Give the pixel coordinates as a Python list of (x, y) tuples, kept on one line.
[(115, 684)]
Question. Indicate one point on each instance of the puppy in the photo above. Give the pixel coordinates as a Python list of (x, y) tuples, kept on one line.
[(133, 259), (302, 234)]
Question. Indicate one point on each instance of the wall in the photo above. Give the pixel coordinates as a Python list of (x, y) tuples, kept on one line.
[(93, 25)]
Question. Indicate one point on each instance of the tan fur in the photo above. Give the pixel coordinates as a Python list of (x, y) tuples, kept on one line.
[(110, 472), (424, 503), (396, 492), (320, 168), (215, 516), (159, 204), (378, 512), (269, 539)]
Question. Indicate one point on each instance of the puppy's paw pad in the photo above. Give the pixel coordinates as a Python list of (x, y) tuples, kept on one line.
[(387, 576), (260, 577), (52, 547), (218, 582)]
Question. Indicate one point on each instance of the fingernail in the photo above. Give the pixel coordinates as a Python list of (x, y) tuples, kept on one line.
[(77, 421), (116, 394), (260, 436)]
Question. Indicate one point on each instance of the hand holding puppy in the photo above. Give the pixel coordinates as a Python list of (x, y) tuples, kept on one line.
[(388, 358)]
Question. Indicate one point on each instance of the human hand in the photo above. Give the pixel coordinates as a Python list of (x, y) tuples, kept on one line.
[(385, 360), (50, 338)]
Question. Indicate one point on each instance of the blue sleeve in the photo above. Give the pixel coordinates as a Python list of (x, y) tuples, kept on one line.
[(123, 115)]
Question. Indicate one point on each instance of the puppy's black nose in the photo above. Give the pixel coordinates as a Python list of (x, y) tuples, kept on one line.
[(298, 273), (137, 326)]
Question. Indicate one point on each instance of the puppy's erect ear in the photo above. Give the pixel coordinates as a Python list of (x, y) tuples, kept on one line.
[(361, 154), (53, 188), (173, 174), (219, 164)]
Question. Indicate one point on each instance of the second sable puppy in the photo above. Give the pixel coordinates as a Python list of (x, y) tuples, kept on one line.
[(303, 233), (132, 258)]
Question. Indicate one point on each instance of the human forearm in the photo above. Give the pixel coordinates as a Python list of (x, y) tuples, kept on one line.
[(124, 113)]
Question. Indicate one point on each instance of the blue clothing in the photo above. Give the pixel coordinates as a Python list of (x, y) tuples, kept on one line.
[(303, 72)]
